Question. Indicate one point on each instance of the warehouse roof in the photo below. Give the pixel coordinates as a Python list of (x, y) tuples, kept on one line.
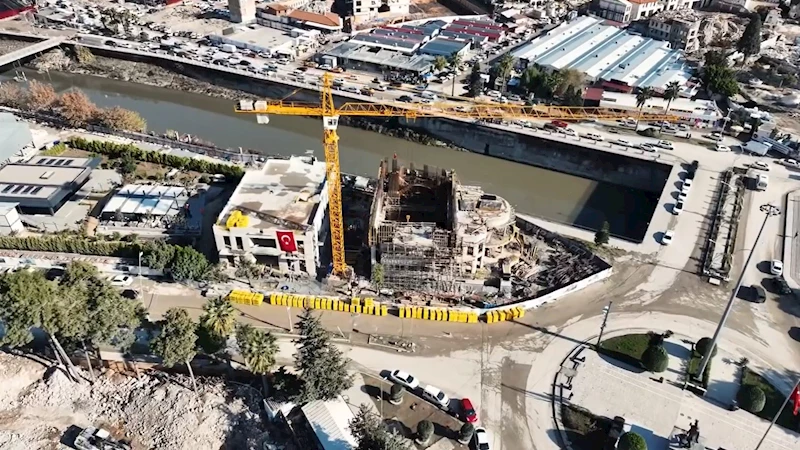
[(385, 57), (444, 46), (330, 421), (143, 199), (605, 52), (43, 180)]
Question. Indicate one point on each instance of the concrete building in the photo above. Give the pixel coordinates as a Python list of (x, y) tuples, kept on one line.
[(16, 136), (446, 47), (43, 184), (605, 53), (242, 11), (284, 202), (704, 111), (733, 6), (269, 40), (430, 233), (367, 10), (139, 201), (616, 10), (9, 219), (625, 11), (642, 9), (353, 55), (682, 34)]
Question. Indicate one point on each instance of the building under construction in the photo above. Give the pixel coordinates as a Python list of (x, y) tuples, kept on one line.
[(430, 233)]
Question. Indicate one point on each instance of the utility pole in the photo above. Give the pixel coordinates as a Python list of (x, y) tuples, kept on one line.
[(777, 414), (606, 310), (289, 315), (769, 211)]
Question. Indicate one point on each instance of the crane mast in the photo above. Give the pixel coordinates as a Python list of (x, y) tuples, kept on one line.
[(330, 141)]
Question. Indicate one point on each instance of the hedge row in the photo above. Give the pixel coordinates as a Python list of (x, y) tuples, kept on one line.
[(115, 150), (70, 244)]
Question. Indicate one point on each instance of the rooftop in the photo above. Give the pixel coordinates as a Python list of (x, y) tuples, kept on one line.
[(40, 177), (444, 46), (254, 35), (327, 20), (685, 106), (385, 57), (283, 190), (142, 199), (330, 421), (602, 51)]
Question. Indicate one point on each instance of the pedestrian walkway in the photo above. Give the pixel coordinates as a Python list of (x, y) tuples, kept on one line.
[(791, 240)]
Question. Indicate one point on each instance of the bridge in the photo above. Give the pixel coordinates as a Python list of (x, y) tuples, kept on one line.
[(30, 50)]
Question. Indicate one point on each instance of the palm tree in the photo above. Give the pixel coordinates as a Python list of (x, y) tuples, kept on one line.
[(219, 316), (439, 63), (670, 93), (455, 61), (642, 97), (505, 66), (258, 348)]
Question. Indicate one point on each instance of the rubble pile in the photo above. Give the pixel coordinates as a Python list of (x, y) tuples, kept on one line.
[(154, 411)]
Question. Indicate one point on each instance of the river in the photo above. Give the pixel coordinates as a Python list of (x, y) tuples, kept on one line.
[(539, 192)]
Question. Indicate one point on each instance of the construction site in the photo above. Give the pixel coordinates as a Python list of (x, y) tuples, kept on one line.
[(430, 234)]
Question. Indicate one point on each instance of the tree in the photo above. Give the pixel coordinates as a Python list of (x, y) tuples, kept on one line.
[(11, 95), (455, 62), (631, 441), (465, 433), (573, 97), (569, 78), (439, 63), (321, 365), (189, 264), (258, 348), (720, 80), (424, 432), (118, 118), (177, 340), (475, 81), (672, 92), (158, 254), (396, 394), (505, 66), (127, 165), (602, 235), (715, 58), (371, 434), (750, 42), (40, 96), (76, 108), (78, 272), (751, 398), (377, 274), (701, 347), (219, 316), (655, 359), (642, 97)]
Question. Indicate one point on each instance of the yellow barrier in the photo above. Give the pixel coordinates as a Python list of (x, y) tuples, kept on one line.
[(245, 297), (498, 316)]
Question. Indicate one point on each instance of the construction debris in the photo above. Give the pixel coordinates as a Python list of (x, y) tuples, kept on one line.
[(154, 411)]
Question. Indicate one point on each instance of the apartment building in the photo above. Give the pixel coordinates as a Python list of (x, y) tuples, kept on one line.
[(366, 10), (682, 34)]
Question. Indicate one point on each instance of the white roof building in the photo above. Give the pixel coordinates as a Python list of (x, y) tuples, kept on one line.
[(146, 200), (286, 195), (705, 110), (608, 53), (330, 421)]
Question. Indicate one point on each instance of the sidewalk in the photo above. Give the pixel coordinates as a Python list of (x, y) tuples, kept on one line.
[(791, 240)]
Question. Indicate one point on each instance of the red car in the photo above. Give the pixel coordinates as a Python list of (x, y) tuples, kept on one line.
[(560, 123), (467, 411)]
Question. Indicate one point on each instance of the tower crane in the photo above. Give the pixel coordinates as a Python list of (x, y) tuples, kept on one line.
[(330, 114)]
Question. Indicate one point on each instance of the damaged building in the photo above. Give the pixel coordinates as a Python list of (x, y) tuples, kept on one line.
[(430, 233)]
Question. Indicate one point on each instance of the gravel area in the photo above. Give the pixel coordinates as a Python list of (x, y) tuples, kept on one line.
[(10, 45), (154, 411)]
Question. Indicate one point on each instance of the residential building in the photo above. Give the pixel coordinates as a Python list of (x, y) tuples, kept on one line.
[(43, 184), (16, 137), (695, 111), (242, 11), (731, 5), (374, 58), (642, 9), (367, 10), (616, 10), (682, 34), (616, 58), (277, 216)]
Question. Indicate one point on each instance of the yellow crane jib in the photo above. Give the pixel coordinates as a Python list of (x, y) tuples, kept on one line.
[(329, 113)]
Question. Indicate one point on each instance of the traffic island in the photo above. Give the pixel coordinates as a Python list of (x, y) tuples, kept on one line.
[(584, 430), (754, 385), (406, 416)]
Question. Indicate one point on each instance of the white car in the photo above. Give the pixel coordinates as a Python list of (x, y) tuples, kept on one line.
[(593, 136), (623, 142), (648, 147), (122, 280), (567, 131), (481, 438), (436, 396), (664, 144), (790, 163), (683, 196), (678, 208), (686, 186), (666, 239), (404, 379), (722, 148), (760, 165), (776, 267), (325, 67)]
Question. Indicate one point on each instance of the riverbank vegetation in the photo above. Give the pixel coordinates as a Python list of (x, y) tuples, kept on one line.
[(129, 152), (73, 107)]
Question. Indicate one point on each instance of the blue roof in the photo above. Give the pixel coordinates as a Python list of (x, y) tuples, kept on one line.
[(443, 47)]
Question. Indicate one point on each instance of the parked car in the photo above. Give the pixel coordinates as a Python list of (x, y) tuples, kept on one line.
[(405, 98), (666, 239), (405, 379), (131, 294), (683, 197), (559, 123), (481, 438), (781, 286), (788, 162), (122, 280), (678, 208), (722, 148), (760, 165), (686, 186), (664, 144), (776, 267), (648, 147), (468, 413), (759, 294), (623, 142), (436, 396), (568, 131), (593, 136)]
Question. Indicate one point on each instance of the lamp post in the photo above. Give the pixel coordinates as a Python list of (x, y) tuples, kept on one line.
[(141, 289), (769, 211), (606, 310)]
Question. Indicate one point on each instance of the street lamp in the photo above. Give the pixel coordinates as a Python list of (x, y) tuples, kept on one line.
[(141, 289), (606, 310), (769, 211)]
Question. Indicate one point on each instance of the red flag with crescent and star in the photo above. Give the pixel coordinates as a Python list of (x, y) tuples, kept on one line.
[(286, 241), (796, 400)]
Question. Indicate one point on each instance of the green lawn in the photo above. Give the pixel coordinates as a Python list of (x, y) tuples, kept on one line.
[(774, 401), (584, 430), (628, 348)]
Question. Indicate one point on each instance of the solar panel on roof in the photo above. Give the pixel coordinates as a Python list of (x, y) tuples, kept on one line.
[(26, 190), (8, 188), (69, 162), (60, 162), (36, 191), (18, 188)]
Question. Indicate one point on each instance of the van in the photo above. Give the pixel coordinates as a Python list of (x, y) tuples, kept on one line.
[(429, 95)]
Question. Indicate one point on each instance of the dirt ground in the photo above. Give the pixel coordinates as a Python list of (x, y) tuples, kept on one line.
[(430, 8)]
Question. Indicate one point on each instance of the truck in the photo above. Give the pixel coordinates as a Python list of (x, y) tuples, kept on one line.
[(228, 48), (757, 180), (91, 438)]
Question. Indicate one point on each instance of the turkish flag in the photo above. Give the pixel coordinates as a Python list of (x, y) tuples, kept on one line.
[(796, 400), (286, 241)]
